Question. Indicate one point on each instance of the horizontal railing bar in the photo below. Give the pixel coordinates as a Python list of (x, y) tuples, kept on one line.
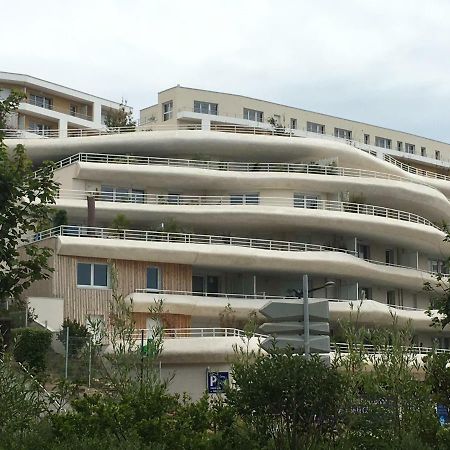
[(228, 200), (161, 236)]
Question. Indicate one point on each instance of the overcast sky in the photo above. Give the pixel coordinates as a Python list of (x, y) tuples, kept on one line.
[(385, 62)]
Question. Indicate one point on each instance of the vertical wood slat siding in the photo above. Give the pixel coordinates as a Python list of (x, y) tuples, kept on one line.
[(81, 302), (168, 320)]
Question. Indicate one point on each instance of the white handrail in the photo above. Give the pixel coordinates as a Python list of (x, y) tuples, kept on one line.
[(229, 200), (183, 238), (414, 170), (238, 129), (313, 169)]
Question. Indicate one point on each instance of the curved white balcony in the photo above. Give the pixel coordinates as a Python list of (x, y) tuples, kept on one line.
[(209, 306), (217, 200), (392, 227), (225, 252)]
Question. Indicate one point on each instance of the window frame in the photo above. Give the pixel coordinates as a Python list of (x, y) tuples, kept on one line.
[(158, 279), (92, 276), (387, 143), (342, 133), (167, 113), (293, 123), (314, 127), (211, 108), (253, 115)]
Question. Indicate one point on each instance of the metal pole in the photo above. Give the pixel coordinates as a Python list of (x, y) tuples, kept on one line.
[(67, 354), (142, 357), (306, 314), (90, 363)]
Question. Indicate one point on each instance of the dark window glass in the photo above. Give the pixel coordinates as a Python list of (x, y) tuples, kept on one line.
[(83, 274), (153, 278), (100, 275), (197, 283)]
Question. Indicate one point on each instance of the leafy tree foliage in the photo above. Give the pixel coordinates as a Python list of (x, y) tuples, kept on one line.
[(25, 197), (116, 118), (31, 347)]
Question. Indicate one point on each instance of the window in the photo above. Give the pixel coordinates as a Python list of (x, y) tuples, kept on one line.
[(119, 194), (293, 124), (92, 275), (167, 110), (315, 127), (437, 154), (205, 107), (39, 128), (366, 139), (410, 148), (365, 293), (251, 198), (305, 201), (198, 284), (390, 297), (173, 198), (439, 266), (343, 134), (153, 278), (389, 257), (399, 146), (423, 151), (252, 114), (363, 251), (73, 110), (383, 142), (41, 101)]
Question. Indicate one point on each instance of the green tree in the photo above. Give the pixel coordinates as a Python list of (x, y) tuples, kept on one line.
[(285, 399), (25, 196), (119, 118)]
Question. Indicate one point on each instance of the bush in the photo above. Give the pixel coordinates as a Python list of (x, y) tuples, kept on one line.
[(78, 336), (31, 347)]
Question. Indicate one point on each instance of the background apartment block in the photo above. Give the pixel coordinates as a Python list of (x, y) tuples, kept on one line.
[(51, 109)]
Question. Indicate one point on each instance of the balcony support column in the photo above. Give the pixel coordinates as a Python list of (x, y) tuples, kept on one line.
[(63, 125), (206, 124)]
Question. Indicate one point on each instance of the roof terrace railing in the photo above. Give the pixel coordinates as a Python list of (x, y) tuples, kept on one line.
[(240, 129), (230, 200)]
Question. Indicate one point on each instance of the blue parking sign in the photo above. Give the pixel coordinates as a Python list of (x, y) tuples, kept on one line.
[(442, 412), (216, 382)]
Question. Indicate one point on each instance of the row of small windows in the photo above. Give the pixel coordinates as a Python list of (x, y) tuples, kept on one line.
[(313, 127)]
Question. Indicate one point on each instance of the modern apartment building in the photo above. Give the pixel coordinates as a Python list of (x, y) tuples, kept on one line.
[(50, 109), (225, 213)]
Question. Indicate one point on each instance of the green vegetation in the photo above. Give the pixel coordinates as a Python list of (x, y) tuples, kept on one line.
[(31, 346), (25, 198)]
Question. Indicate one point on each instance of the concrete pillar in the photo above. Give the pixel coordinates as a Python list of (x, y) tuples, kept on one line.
[(97, 114), (63, 125), (206, 124)]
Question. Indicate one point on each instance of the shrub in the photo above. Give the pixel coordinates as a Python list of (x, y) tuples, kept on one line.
[(78, 335), (31, 347)]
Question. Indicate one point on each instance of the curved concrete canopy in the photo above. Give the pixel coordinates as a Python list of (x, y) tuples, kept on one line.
[(406, 195), (273, 218), (371, 313), (239, 147), (330, 264)]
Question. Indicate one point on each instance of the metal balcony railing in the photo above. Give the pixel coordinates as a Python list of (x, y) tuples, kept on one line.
[(46, 105), (183, 238), (230, 200), (238, 129), (233, 166), (414, 170)]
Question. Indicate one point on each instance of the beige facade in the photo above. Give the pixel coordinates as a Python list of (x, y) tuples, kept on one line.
[(50, 109), (238, 109)]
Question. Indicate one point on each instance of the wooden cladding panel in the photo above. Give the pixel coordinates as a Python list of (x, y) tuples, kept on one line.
[(131, 275), (168, 320)]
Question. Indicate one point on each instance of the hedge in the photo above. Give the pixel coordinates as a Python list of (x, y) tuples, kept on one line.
[(31, 346)]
